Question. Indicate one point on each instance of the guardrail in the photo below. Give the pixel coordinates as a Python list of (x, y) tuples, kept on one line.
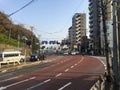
[(100, 84), (8, 62)]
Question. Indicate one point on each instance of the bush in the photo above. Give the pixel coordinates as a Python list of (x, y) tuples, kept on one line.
[(5, 40)]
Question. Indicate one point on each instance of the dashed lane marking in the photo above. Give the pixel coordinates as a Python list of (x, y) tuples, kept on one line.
[(46, 81), (72, 67), (66, 70), (66, 85), (58, 75)]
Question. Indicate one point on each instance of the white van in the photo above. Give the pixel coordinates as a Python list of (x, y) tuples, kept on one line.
[(11, 57)]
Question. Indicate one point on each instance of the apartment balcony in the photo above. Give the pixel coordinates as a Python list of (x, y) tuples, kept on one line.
[(91, 16), (90, 12), (91, 41), (91, 35), (91, 26), (78, 28), (77, 35), (91, 21), (77, 22), (77, 40), (78, 25), (91, 2), (77, 31), (77, 18), (91, 31)]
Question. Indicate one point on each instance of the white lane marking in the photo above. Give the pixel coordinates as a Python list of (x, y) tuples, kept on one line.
[(65, 86), (11, 78), (4, 71), (66, 70), (38, 84), (101, 62), (5, 87), (81, 60), (72, 67), (58, 75), (1, 88)]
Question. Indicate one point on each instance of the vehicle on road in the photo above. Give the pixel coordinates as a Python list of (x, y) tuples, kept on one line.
[(11, 57), (36, 57), (66, 52), (74, 52)]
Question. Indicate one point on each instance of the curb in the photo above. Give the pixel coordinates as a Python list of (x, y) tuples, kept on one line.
[(5, 69), (99, 85)]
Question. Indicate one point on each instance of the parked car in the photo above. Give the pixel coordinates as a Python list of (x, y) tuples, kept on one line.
[(66, 52), (36, 57), (11, 57), (74, 52)]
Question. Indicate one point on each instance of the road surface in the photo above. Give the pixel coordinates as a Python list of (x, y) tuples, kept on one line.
[(71, 72)]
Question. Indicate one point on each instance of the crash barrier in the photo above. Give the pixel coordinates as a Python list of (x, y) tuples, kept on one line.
[(100, 84)]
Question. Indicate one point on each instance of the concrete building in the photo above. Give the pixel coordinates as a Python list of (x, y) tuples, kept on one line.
[(97, 41), (78, 29), (72, 39), (94, 21)]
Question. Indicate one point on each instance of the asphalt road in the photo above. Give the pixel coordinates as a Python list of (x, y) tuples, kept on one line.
[(71, 72)]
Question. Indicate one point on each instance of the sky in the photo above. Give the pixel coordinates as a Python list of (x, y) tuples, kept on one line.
[(50, 18)]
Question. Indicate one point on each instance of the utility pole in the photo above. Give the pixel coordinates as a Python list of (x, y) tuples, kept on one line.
[(32, 37), (115, 46), (118, 14), (39, 43)]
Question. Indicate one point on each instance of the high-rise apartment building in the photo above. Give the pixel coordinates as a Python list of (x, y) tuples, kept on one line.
[(94, 21), (97, 39), (71, 37), (78, 29)]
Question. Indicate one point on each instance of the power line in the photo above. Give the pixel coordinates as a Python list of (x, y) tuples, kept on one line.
[(21, 8)]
